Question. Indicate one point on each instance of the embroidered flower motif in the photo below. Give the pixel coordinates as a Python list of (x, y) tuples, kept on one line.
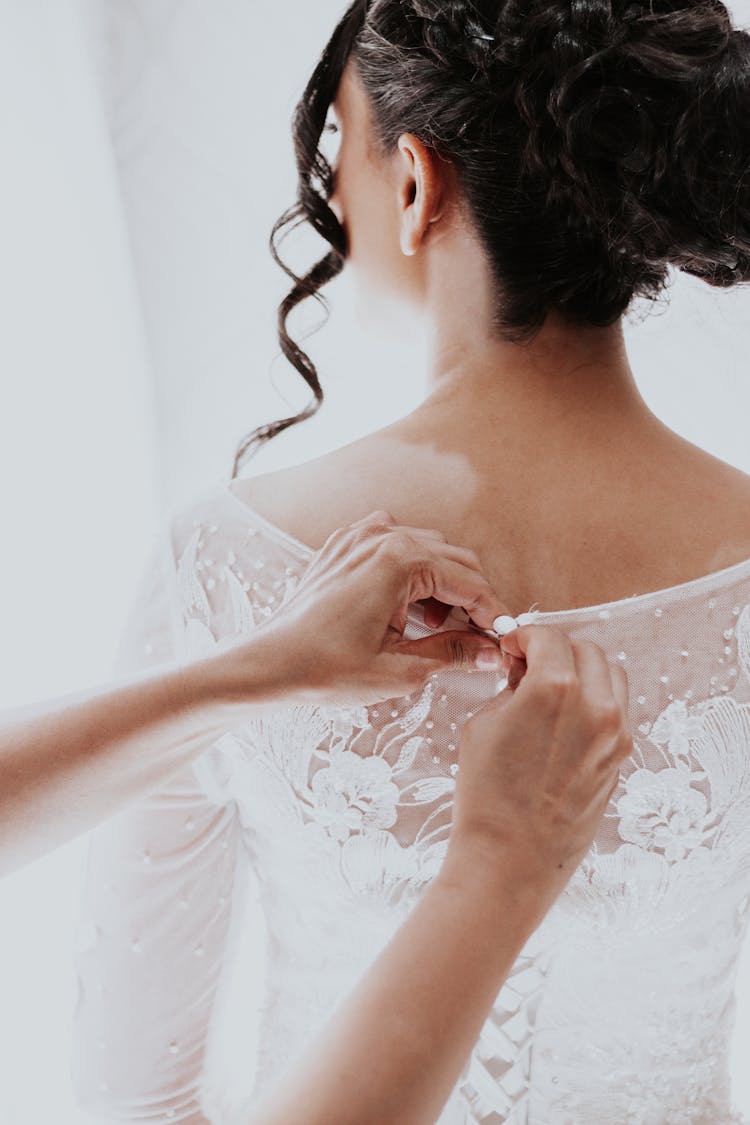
[(660, 810), (375, 862), (354, 792), (343, 721), (675, 727)]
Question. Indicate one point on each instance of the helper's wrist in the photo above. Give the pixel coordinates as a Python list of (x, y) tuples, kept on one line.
[(239, 678), (487, 871)]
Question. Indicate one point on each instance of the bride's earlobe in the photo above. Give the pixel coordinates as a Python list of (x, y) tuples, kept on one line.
[(407, 245)]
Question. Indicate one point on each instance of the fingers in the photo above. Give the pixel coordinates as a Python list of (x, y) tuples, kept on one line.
[(622, 694), (515, 670), (430, 568), (548, 657), (454, 649), (435, 612), (381, 521), (545, 654), (605, 685), (594, 672), (620, 686), (463, 555), (454, 583)]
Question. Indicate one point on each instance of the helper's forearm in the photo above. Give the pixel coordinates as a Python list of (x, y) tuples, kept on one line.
[(68, 764), (395, 1048)]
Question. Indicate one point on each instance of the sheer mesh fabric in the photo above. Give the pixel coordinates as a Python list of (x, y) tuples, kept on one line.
[(621, 1006)]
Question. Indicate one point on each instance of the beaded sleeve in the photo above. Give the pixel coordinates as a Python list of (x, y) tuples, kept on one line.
[(156, 912)]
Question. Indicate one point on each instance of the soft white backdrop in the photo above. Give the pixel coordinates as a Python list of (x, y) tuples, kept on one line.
[(146, 154)]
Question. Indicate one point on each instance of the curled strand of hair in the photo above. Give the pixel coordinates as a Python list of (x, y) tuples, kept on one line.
[(311, 206), (322, 272)]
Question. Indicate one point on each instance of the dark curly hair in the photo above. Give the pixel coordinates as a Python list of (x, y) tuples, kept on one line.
[(596, 142)]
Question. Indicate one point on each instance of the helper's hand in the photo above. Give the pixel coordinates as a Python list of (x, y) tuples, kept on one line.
[(341, 631), (539, 763)]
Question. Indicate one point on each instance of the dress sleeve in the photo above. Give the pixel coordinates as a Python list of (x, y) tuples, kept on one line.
[(157, 901)]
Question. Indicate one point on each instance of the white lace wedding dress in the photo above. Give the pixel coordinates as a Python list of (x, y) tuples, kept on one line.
[(619, 1009)]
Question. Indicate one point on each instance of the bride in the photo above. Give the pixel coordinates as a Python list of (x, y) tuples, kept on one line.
[(515, 175)]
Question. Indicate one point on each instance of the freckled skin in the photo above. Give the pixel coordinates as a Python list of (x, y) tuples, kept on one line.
[(543, 458)]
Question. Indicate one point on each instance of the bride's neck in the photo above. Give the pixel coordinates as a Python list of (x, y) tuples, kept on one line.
[(564, 376)]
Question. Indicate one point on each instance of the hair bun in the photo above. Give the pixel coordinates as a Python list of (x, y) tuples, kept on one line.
[(631, 118)]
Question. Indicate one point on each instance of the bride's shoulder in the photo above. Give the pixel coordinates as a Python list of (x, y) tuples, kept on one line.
[(311, 499), (713, 501)]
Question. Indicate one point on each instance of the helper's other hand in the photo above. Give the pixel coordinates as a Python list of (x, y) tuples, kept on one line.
[(342, 629)]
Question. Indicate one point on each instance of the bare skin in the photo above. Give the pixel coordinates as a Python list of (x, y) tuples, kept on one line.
[(544, 459)]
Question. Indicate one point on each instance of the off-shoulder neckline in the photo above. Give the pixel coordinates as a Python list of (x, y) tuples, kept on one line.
[(636, 601)]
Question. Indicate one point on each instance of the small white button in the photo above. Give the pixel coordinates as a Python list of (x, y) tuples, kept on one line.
[(504, 624)]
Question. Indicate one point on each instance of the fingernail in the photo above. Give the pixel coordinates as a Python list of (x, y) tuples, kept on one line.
[(488, 659)]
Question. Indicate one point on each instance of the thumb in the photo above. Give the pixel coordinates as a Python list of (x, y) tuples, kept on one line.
[(456, 648)]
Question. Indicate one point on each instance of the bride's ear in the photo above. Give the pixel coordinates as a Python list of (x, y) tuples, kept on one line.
[(420, 191)]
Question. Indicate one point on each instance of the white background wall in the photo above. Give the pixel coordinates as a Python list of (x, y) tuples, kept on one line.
[(145, 156)]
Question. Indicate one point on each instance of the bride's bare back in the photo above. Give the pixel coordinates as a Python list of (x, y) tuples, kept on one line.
[(641, 509)]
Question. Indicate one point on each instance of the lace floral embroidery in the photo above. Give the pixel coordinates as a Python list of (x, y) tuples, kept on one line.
[(354, 793), (661, 811), (337, 803)]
